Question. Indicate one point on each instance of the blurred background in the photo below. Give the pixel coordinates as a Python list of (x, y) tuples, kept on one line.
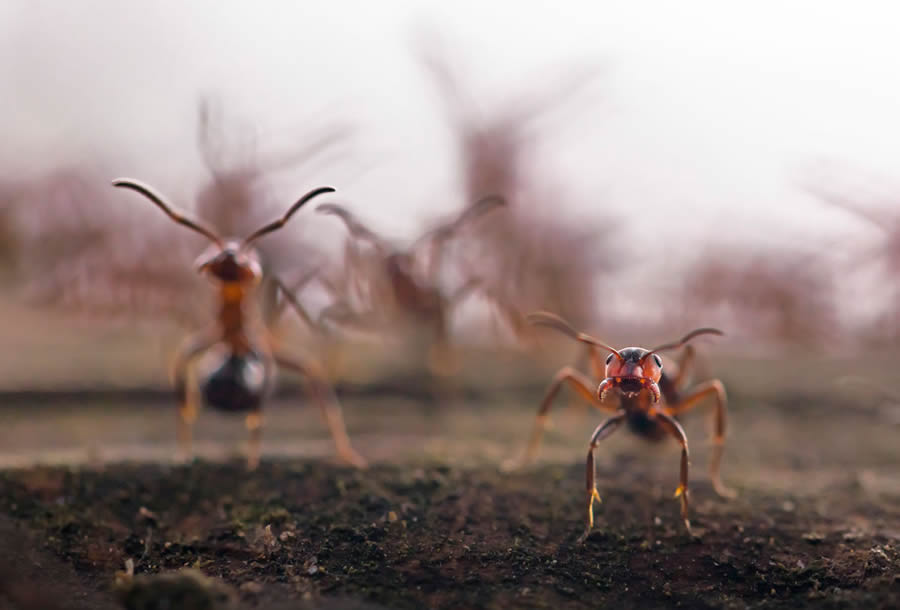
[(664, 167)]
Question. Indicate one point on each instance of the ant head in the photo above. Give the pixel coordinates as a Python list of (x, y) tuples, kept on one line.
[(226, 260), (632, 369), (230, 263)]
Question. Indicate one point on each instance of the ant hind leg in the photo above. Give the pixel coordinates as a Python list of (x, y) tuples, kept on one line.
[(582, 385), (716, 389), (186, 390), (324, 396)]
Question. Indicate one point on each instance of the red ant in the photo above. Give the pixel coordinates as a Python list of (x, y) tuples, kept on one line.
[(243, 379), (648, 401)]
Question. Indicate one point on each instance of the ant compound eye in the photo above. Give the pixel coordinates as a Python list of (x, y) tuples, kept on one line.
[(609, 358), (657, 360)]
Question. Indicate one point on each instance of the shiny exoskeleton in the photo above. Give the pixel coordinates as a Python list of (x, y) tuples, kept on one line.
[(246, 356), (240, 383), (640, 396)]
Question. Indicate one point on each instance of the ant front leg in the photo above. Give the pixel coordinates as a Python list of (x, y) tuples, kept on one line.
[(512, 317), (340, 312), (672, 426), (324, 396), (254, 420), (343, 316), (684, 365), (603, 430), (254, 425), (582, 384), (463, 292), (289, 297), (589, 356), (186, 393), (716, 389)]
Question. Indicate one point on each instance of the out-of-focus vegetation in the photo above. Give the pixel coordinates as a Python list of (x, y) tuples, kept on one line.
[(785, 297), (530, 255), (78, 249), (873, 246)]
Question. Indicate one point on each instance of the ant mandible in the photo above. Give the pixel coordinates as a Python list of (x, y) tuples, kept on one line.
[(244, 377), (649, 402)]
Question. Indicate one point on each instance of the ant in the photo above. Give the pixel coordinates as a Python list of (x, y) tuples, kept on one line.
[(648, 402), (397, 288), (247, 360)]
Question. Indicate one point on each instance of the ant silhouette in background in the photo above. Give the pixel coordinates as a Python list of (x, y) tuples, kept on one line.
[(247, 356), (638, 393), (393, 286)]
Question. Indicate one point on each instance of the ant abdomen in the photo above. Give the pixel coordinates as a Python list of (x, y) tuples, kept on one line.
[(238, 383), (644, 426)]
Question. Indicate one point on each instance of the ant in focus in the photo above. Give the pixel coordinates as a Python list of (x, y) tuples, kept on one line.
[(247, 358), (638, 393)]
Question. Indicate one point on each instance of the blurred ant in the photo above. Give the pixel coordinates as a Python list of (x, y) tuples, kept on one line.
[(648, 401), (396, 287), (247, 360)]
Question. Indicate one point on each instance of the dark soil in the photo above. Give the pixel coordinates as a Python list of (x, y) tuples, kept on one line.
[(441, 532)]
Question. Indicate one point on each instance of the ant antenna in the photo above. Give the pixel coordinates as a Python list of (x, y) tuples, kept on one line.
[(545, 318), (355, 227), (160, 202), (684, 339), (471, 213)]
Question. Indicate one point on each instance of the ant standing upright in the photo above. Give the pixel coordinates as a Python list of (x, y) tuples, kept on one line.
[(244, 376)]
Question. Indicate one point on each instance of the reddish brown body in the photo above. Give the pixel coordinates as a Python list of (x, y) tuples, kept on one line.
[(637, 394)]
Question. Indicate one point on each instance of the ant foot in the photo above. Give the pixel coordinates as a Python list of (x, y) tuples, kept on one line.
[(724, 492), (351, 457)]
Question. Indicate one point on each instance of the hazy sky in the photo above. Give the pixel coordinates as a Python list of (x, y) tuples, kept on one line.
[(705, 114)]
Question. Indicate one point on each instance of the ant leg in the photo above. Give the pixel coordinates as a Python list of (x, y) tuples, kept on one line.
[(328, 403), (710, 388), (342, 314), (598, 364), (289, 297), (684, 365), (602, 431), (254, 424), (500, 307), (339, 311), (254, 420), (513, 318), (343, 318), (186, 393), (674, 428), (582, 384), (588, 356), (442, 357), (463, 292)]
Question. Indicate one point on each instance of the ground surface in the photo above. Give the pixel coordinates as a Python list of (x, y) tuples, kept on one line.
[(435, 523)]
